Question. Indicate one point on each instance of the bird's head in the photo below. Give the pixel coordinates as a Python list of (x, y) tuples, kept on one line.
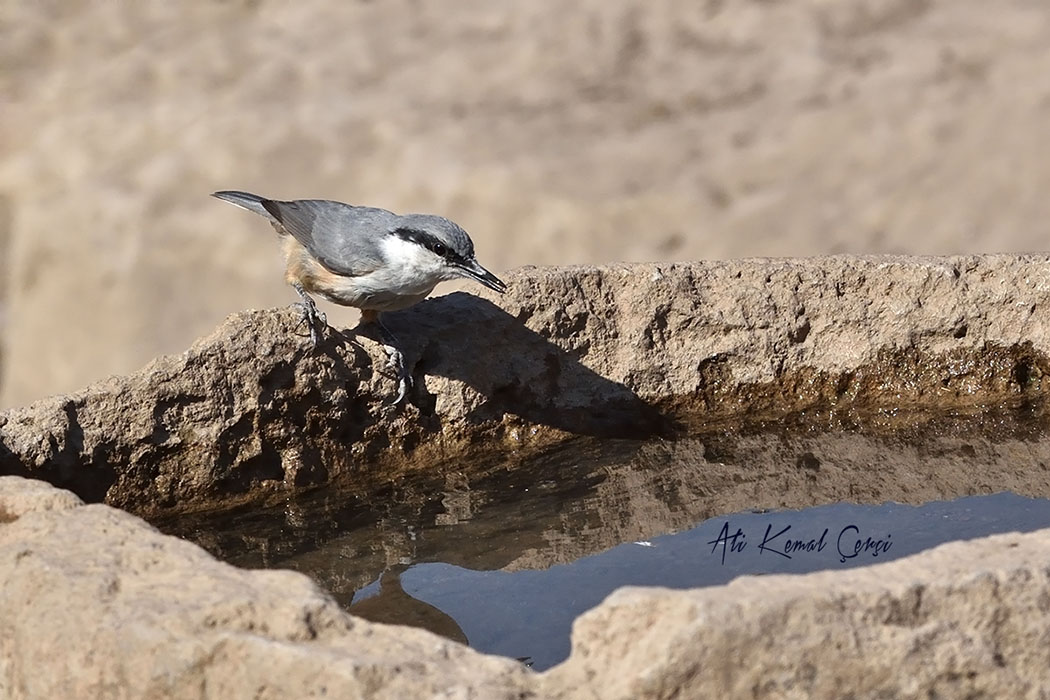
[(445, 248)]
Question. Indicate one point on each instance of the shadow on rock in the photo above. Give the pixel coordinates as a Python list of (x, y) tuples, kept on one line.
[(513, 370), (254, 411)]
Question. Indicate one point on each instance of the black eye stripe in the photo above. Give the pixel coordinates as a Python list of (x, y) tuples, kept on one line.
[(430, 242)]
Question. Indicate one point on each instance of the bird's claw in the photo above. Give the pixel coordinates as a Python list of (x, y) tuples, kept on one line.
[(316, 320), (396, 362), (395, 359), (402, 390), (313, 319)]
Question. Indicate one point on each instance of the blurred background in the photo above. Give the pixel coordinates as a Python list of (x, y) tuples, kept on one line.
[(554, 132)]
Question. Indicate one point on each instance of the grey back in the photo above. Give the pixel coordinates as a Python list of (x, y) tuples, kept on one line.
[(344, 238)]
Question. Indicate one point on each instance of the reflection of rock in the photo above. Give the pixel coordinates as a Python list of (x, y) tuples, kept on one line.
[(589, 497), (670, 486), (393, 606), (458, 506), (252, 413)]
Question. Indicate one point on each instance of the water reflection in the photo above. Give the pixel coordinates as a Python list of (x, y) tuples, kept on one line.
[(530, 612), (387, 601), (507, 560)]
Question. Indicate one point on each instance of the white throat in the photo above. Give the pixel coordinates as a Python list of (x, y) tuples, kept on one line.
[(412, 267)]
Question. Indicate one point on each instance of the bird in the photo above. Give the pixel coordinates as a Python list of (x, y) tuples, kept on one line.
[(365, 257)]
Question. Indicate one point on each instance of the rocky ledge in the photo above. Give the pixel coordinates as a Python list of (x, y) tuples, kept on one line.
[(254, 413)]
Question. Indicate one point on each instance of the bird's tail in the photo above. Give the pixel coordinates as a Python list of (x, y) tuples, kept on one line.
[(245, 200)]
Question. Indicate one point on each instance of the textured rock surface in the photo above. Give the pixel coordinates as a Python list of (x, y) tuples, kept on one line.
[(967, 619), (252, 412), (556, 133), (22, 496), (95, 603)]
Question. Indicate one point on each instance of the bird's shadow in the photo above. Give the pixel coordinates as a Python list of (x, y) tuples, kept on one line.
[(517, 370)]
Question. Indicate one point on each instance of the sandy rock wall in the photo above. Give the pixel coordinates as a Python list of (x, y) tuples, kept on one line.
[(582, 133)]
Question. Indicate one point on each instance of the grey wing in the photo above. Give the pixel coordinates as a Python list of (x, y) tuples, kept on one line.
[(343, 238)]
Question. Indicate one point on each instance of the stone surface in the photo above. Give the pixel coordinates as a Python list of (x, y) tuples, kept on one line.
[(966, 619), (23, 496), (253, 413), (555, 133), (96, 603)]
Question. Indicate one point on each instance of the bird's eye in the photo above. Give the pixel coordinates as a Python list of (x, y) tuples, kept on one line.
[(440, 249)]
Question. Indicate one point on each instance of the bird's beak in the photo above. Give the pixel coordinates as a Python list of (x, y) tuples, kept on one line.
[(474, 271)]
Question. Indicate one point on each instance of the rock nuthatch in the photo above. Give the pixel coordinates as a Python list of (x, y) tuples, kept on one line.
[(364, 257)]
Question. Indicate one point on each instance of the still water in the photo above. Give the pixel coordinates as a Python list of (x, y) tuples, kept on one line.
[(506, 561)]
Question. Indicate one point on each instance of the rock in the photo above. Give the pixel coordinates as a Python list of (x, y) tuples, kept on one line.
[(22, 496), (966, 619), (252, 413), (555, 133), (96, 603)]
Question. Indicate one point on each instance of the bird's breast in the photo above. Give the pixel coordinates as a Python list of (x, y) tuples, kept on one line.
[(393, 286)]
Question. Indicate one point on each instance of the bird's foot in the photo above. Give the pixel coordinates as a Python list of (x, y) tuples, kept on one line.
[(316, 320), (395, 358), (396, 362)]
